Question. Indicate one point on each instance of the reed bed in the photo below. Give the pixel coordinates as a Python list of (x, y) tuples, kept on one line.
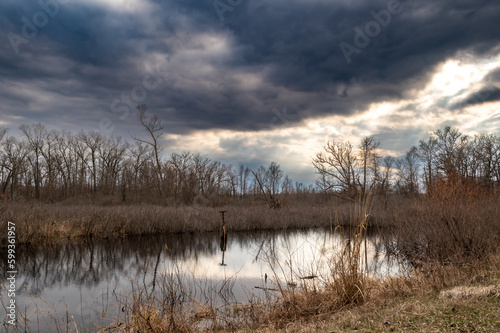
[(45, 223), (458, 231), (449, 240)]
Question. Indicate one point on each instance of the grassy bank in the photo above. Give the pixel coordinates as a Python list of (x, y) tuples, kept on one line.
[(467, 302), (476, 311), (448, 299)]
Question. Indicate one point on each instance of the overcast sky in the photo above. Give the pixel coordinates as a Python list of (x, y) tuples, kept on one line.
[(253, 81)]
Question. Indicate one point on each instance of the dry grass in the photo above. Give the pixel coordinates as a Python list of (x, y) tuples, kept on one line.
[(443, 232), (451, 241), (348, 276), (409, 305), (401, 304), (463, 292), (462, 253), (413, 314), (346, 286), (44, 223)]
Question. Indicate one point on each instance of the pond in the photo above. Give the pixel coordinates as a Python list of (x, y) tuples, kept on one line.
[(88, 283)]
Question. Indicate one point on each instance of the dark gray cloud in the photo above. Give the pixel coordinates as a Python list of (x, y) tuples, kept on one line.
[(484, 95), (272, 54), (294, 44), (494, 76)]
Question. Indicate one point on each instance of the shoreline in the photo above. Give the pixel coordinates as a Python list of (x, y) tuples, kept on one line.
[(46, 223)]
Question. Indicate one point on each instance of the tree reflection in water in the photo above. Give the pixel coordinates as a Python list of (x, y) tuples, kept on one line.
[(85, 270)]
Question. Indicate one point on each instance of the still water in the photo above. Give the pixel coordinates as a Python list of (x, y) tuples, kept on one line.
[(89, 283)]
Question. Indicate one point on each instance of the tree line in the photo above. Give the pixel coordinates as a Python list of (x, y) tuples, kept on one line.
[(57, 164), (446, 159)]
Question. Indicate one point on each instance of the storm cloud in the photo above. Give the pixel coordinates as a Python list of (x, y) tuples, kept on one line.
[(234, 65)]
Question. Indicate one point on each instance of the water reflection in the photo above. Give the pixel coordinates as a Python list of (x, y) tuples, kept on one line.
[(87, 263), (91, 277)]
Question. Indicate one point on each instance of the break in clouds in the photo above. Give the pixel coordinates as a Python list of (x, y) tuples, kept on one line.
[(225, 74)]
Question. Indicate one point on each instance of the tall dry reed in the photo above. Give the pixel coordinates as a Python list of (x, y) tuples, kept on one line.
[(349, 279)]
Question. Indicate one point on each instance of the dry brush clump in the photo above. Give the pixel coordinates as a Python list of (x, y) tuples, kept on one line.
[(174, 304), (457, 228), (349, 279), (147, 311), (345, 284)]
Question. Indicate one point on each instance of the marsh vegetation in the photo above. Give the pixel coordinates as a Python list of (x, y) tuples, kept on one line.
[(436, 209)]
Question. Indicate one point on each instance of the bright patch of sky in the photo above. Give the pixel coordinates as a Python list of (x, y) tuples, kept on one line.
[(297, 144)]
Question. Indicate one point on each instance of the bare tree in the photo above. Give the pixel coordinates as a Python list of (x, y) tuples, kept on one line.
[(385, 185), (3, 131), (369, 162), (487, 151), (243, 174), (139, 157), (4, 172), (52, 164), (287, 186), (93, 141), (49, 154), (274, 175), (185, 176), (201, 165), (388, 163), (35, 134), (65, 161), (337, 167), (112, 157), (427, 151), (81, 161), (14, 157), (450, 143), (155, 129), (268, 181), (408, 167)]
